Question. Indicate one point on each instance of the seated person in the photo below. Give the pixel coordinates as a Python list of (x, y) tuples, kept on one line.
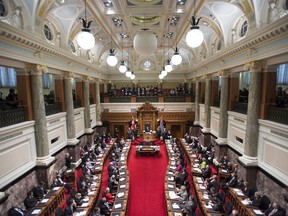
[(39, 191), (275, 210), (104, 206), (203, 164), (147, 129), (232, 182), (78, 199), (261, 201), (190, 205), (16, 211), (70, 208), (30, 201), (207, 172), (109, 197), (182, 193), (224, 162), (68, 161)]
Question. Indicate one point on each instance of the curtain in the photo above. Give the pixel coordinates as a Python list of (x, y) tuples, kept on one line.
[(7, 77), (47, 78), (282, 74)]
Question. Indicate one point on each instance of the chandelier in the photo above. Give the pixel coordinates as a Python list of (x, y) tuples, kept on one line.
[(145, 43)]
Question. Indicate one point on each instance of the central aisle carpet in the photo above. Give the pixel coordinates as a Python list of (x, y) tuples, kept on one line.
[(147, 176)]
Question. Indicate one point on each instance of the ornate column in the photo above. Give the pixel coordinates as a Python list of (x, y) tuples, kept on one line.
[(98, 104), (69, 106), (87, 123), (196, 121), (252, 127), (41, 134), (206, 128), (223, 117)]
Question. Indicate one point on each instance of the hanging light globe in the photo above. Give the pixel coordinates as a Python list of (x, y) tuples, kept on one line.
[(161, 76), (112, 59), (128, 73), (85, 39), (168, 67), (194, 37), (176, 58), (132, 76), (145, 43), (122, 67), (164, 72)]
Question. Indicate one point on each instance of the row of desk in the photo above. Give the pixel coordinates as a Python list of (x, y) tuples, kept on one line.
[(120, 204), (173, 205), (56, 196), (198, 182), (237, 198)]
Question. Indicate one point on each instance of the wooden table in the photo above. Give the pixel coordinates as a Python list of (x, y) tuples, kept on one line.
[(148, 137), (144, 150)]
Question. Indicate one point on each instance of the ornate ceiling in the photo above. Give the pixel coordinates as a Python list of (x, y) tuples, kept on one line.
[(224, 23)]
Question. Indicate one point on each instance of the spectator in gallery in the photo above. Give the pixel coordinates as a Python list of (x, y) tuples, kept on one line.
[(51, 97), (12, 98)]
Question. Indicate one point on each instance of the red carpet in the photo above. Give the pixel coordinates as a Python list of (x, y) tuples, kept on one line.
[(146, 192), (104, 179)]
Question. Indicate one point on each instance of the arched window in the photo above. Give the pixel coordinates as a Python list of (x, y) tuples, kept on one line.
[(7, 77), (244, 28), (282, 74), (2, 8), (48, 33)]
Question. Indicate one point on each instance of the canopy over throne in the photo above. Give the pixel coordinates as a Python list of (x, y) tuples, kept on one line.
[(147, 116)]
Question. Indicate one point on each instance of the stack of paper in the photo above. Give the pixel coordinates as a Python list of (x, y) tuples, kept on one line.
[(44, 200), (56, 188), (171, 178), (197, 170), (170, 186), (122, 186), (122, 179), (117, 206), (224, 171), (85, 204), (121, 194), (202, 187), (173, 195), (245, 202), (257, 212), (209, 206), (36, 211), (175, 206)]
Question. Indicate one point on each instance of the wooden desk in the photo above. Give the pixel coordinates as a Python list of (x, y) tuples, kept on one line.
[(236, 198), (224, 175), (119, 205), (36, 211), (144, 150), (148, 137), (118, 213)]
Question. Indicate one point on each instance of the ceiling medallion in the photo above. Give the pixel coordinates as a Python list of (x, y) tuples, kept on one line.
[(146, 19)]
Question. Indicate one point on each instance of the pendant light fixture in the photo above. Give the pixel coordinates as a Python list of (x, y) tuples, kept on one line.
[(176, 58), (194, 37), (132, 75), (85, 39), (122, 67), (128, 72), (168, 66), (111, 60)]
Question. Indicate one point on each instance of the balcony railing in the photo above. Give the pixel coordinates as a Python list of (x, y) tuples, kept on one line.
[(240, 107), (277, 114), (52, 108), (77, 104), (12, 116)]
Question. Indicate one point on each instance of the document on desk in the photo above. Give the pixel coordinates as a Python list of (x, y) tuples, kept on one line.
[(177, 214), (85, 204), (122, 186), (44, 200), (121, 194), (257, 212), (122, 179), (171, 173), (170, 186), (56, 188), (98, 163), (245, 202), (202, 187), (197, 170), (224, 171), (122, 167), (91, 193), (172, 167), (240, 193), (117, 206), (122, 173), (171, 178), (205, 196), (199, 180), (36, 211), (173, 195), (209, 206), (175, 206), (196, 165)]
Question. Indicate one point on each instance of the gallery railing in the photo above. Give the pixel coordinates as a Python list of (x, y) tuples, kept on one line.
[(240, 107), (12, 116), (277, 114)]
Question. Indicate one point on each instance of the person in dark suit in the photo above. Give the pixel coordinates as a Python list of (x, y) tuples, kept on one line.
[(68, 161), (16, 211), (39, 191), (261, 201), (232, 182), (207, 172), (275, 210), (224, 162), (104, 206), (30, 201), (70, 208)]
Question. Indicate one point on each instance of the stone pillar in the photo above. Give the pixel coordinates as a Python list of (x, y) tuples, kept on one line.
[(196, 121), (41, 134), (105, 88), (87, 123), (252, 126), (206, 128), (98, 104), (69, 106), (223, 117)]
